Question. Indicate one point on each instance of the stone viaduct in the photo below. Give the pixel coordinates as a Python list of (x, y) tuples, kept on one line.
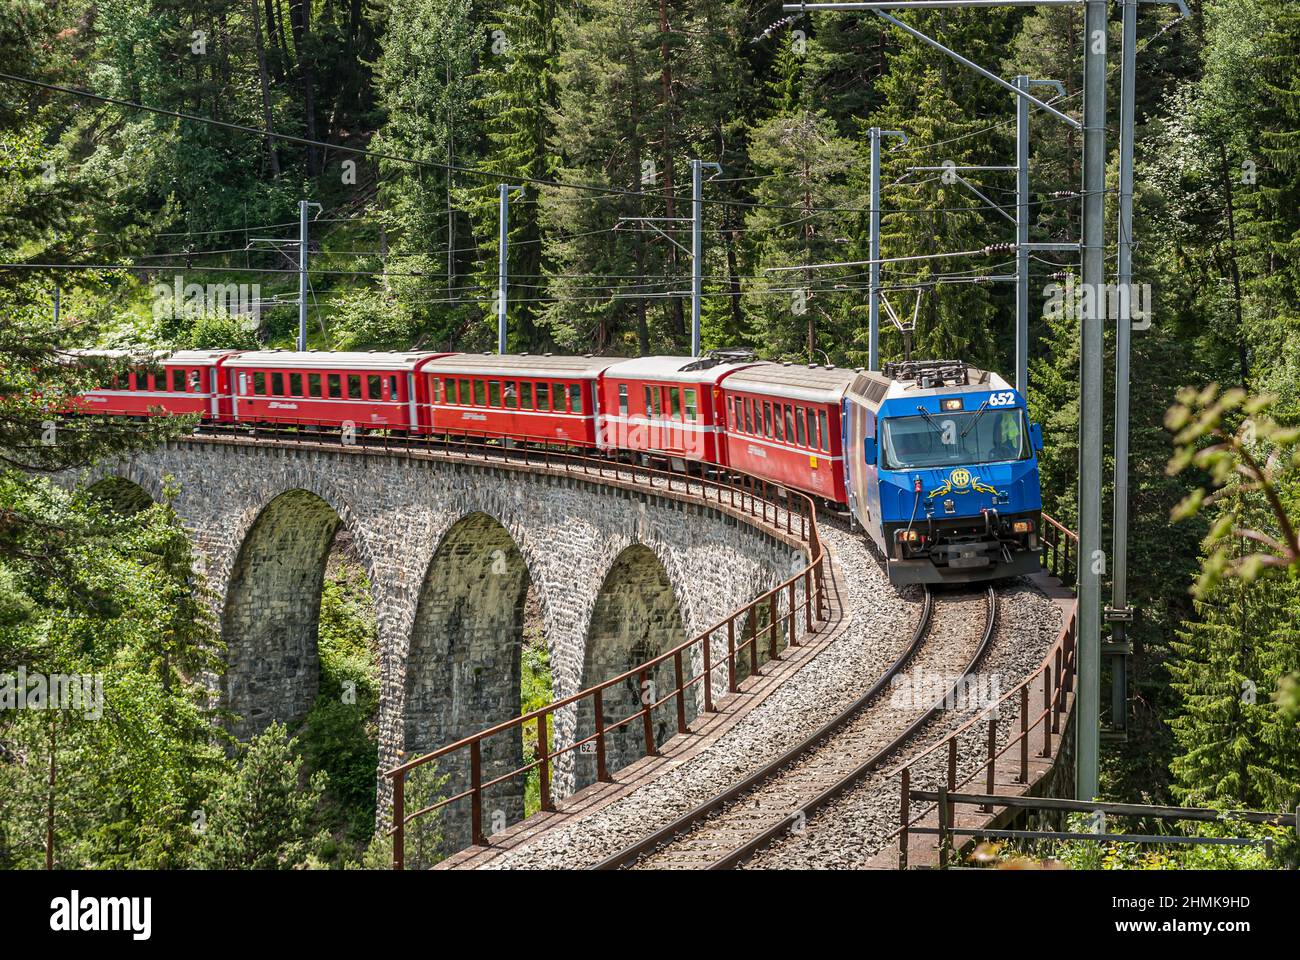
[(620, 571)]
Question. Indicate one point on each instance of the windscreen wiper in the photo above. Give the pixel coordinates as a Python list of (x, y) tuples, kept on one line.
[(929, 418), (975, 420)]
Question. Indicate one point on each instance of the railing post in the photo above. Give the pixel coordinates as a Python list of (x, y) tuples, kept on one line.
[(399, 820), (1054, 708), (952, 764), (1047, 710), (992, 764), (941, 810), (753, 640), (681, 691), (707, 654), (793, 641), (773, 624), (544, 764), (731, 656), (1024, 733), (602, 771), (647, 722), (808, 601), (476, 795), (904, 814)]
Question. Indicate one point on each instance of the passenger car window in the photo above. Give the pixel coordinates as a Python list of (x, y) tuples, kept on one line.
[(295, 384), (259, 383), (375, 386), (494, 393), (313, 384), (557, 396), (277, 384), (178, 381), (675, 403), (354, 386), (525, 394), (789, 424), (510, 390), (824, 434), (691, 408), (622, 399), (336, 386), (543, 395), (575, 398), (798, 422), (480, 393), (777, 425)]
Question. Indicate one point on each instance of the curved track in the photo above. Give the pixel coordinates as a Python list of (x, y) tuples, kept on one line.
[(729, 827)]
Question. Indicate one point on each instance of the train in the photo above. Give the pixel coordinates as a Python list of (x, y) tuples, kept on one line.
[(937, 461)]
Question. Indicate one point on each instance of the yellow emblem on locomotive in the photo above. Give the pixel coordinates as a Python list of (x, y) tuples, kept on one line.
[(961, 481)]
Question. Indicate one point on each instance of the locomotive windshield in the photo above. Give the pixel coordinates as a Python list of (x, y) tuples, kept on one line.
[(946, 439)]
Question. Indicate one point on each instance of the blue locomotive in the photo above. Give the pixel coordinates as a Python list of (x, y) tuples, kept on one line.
[(943, 472)]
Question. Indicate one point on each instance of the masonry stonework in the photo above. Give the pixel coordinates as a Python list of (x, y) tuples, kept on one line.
[(450, 548)]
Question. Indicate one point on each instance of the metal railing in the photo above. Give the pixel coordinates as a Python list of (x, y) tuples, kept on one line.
[(946, 829), (1060, 547), (1057, 674)]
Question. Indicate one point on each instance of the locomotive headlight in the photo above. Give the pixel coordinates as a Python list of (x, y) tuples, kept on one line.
[(1022, 526), (951, 403), (909, 536)]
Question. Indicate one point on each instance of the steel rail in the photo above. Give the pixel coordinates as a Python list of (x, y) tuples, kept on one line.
[(668, 833)]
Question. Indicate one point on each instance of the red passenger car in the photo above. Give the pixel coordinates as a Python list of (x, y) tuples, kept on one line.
[(185, 382), (378, 391), (667, 405), (552, 399), (783, 423)]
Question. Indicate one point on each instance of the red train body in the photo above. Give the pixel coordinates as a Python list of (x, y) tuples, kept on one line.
[(783, 423), (775, 421)]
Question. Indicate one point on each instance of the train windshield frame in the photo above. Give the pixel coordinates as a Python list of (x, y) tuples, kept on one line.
[(946, 440)]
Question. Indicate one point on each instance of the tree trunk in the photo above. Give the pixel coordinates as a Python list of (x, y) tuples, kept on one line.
[(300, 20), (265, 81)]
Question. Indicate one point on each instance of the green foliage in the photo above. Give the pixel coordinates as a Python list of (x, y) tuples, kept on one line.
[(340, 736), (261, 815)]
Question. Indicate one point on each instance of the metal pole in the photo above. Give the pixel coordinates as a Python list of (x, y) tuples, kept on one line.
[(1091, 558), (1022, 237), (873, 297), (697, 248), (1119, 612), (58, 306), (302, 275), (503, 218)]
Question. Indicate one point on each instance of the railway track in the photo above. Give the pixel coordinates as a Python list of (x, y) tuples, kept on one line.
[(949, 640)]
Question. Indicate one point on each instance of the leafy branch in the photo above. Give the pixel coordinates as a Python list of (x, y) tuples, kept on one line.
[(1243, 464)]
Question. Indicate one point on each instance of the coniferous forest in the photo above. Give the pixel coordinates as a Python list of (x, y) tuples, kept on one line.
[(401, 117)]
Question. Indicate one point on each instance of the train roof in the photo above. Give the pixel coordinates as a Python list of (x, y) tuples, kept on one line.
[(328, 359), (815, 384), (520, 364), (681, 369), (151, 355), (874, 388)]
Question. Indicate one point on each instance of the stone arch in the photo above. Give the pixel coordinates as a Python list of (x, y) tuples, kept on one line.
[(122, 495), (463, 667), (636, 616), (271, 614)]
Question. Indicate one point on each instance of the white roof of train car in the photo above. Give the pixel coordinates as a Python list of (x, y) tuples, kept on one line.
[(670, 368), (329, 360), (519, 364), (811, 383)]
